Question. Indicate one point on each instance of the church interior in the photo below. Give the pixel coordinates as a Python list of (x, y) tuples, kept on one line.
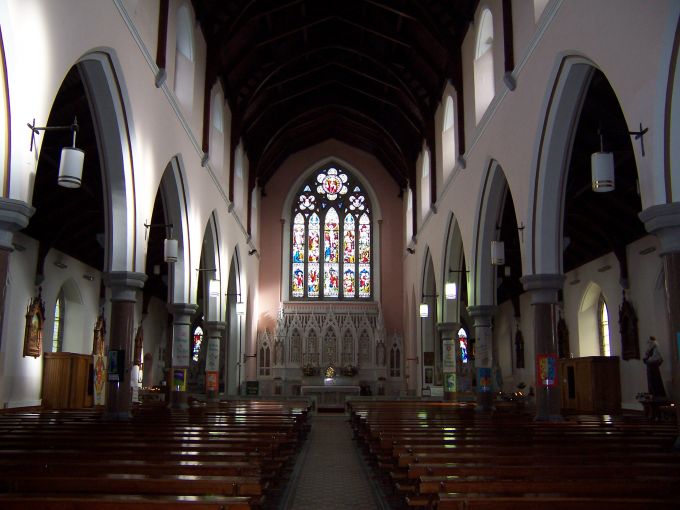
[(430, 245)]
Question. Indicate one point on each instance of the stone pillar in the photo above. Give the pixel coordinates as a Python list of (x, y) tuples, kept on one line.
[(663, 221), (123, 286), (212, 358), (482, 315), (448, 331), (544, 289), (14, 215), (181, 352)]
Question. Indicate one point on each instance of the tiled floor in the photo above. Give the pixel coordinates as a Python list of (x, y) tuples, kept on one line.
[(329, 473)]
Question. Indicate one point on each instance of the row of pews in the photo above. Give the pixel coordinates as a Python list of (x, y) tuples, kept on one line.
[(232, 455), (449, 457)]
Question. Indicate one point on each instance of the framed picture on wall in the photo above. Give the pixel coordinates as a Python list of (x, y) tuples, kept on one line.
[(35, 317)]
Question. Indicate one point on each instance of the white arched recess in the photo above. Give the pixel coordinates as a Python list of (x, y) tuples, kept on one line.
[(210, 259), (286, 212), (173, 193), (548, 185), (107, 98), (234, 370), (453, 270), (491, 202), (431, 371)]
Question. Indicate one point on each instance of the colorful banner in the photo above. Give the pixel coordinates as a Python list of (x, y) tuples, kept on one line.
[(179, 379), (99, 376), (484, 379), (211, 381), (546, 369), (448, 356), (450, 383)]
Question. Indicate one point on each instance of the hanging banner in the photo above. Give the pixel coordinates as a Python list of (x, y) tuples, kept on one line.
[(211, 381), (546, 369), (212, 357), (181, 353), (484, 379), (179, 379), (450, 383), (99, 376), (448, 356)]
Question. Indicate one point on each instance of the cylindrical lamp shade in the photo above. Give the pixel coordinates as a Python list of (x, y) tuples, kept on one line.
[(424, 310), (214, 288), (240, 308), (71, 167), (170, 250), (497, 253), (450, 290), (602, 169)]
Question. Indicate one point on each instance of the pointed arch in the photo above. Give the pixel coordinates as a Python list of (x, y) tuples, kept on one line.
[(211, 260), (454, 271)]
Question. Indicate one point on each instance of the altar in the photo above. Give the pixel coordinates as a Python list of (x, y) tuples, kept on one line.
[(329, 396)]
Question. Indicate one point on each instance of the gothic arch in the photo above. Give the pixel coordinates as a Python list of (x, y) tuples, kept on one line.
[(210, 259)]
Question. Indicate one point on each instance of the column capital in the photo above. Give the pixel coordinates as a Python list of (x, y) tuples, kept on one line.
[(543, 287), (14, 215), (482, 314), (124, 284), (182, 312), (448, 326), (215, 328), (663, 221)]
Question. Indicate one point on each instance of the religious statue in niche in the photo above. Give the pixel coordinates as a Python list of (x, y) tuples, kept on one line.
[(99, 333), (628, 324), (139, 344), (563, 350), (519, 349), (35, 317)]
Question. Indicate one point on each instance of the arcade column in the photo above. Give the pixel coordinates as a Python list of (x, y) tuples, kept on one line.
[(543, 289), (181, 352), (482, 315), (212, 358), (123, 286)]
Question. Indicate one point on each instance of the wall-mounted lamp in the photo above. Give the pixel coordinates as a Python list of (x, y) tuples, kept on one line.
[(602, 163), (424, 307), (72, 158), (240, 308), (410, 250), (252, 252), (213, 283), (451, 290), (497, 253), (169, 245)]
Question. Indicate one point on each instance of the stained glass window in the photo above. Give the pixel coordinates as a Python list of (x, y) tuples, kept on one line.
[(331, 242), (198, 340)]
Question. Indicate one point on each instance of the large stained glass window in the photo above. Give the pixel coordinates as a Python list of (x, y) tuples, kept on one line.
[(331, 241)]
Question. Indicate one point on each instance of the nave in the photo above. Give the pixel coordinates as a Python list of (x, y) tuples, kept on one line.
[(241, 455)]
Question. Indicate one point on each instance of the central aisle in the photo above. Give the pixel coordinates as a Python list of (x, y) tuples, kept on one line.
[(329, 473)]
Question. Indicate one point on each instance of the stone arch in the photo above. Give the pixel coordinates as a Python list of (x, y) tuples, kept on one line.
[(545, 217), (454, 270), (431, 349), (490, 209), (107, 96), (233, 358), (172, 190), (211, 259)]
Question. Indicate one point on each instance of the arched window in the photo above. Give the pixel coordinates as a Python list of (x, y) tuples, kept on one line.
[(463, 345), (331, 238), (409, 215), (425, 184), (184, 58), (217, 131), (603, 323), (449, 150), (483, 68), (58, 332), (196, 344)]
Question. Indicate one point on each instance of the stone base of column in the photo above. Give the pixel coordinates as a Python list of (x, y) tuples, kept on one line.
[(178, 400), (212, 396), (484, 401)]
